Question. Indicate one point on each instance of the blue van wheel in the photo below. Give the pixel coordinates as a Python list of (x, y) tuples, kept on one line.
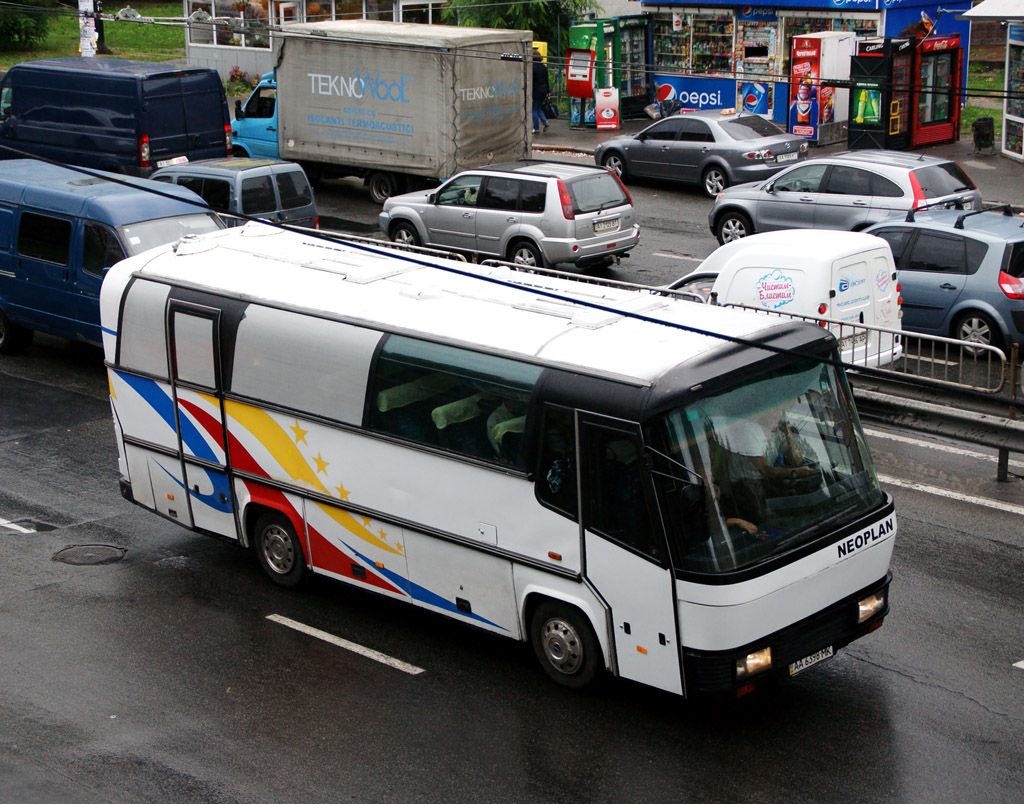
[(13, 338)]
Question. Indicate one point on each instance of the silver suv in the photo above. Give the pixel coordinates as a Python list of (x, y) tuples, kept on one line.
[(851, 191), (531, 213)]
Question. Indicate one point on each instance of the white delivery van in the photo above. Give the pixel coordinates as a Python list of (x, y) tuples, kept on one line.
[(847, 277)]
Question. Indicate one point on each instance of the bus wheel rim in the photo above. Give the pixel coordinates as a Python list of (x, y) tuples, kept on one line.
[(563, 647), (278, 550)]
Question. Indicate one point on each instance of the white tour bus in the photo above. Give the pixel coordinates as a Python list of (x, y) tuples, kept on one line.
[(625, 479)]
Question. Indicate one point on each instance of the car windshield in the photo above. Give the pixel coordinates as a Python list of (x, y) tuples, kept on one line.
[(595, 192), (750, 128), (944, 179), (145, 235), (781, 460)]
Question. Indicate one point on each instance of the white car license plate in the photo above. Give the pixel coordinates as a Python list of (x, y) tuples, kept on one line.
[(606, 226), (785, 157), (853, 340), (810, 661)]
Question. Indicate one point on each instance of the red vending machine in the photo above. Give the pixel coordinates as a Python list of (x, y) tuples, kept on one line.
[(937, 71)]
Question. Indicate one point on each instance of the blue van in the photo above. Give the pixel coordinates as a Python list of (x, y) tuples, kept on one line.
[(60, 229), (111, 114)]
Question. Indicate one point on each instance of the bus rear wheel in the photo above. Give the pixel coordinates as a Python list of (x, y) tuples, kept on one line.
[(565, 644), (279, 550)]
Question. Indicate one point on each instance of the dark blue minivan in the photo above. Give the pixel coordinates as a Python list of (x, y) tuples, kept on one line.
[(111, 114), (60, 229)]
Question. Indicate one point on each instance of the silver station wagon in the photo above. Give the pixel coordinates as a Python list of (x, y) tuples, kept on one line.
[(531, 213)]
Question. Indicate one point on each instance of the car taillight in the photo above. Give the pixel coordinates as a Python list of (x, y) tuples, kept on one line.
[(316, 222), (566, 199), (764, 153), (629, 198), (803, 147), (227, 139), (144, 151), (919, 198), (1012, 286)]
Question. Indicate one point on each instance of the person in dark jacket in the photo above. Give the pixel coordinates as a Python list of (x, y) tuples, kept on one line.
[(541, 90)]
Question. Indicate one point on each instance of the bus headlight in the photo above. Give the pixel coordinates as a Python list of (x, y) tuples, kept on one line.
[(753, 663), (870, 606)]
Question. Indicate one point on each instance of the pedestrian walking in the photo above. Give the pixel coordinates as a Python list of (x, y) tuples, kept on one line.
[(541, 90)]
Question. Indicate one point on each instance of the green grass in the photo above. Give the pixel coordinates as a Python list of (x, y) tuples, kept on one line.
[(128, 40), (980, 78)]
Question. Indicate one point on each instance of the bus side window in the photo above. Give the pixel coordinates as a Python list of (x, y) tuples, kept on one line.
[(616, 504), (556, 475)]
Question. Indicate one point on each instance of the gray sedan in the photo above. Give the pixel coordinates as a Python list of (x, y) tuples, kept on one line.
[(715, 148)]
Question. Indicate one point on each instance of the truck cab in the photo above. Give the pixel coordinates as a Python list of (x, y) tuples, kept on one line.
[(254, 129)]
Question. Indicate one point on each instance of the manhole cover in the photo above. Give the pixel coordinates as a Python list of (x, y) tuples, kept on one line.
[(87, 554)]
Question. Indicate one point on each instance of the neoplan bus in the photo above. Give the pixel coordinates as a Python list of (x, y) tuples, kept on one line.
[(595, 470)]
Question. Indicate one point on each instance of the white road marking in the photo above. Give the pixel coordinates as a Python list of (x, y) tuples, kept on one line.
[(953, 495), (1019, 665), (344, 643), (677, 256), (964, 453), (11, 526)]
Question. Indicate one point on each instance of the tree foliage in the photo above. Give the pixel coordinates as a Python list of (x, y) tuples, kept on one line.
[(543, 17), (24, 29)]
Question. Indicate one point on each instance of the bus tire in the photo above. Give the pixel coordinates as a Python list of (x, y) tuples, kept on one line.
[(279, 549), (565, 644)]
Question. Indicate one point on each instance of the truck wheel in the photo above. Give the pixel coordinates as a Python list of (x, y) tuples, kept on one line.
[(279, 550), (614, 162), (732, 226), (405, 233), (714, 181), (13, 338), (565, 644), (523, 252), (382, 186)]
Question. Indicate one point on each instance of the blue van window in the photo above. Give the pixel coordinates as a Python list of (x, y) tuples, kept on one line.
[(100, 249), (44, 238), (258, 195), (294, 190)]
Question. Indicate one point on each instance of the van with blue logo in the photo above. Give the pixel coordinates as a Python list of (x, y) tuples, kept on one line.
[(61, 229), (342, 103), (848, 278), (128, 117)]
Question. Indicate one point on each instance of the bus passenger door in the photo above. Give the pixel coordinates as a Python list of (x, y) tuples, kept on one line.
[(195, 376), (626, 557)]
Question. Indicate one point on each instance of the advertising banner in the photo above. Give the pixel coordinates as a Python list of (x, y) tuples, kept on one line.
[(607, 106), (803, 88), (755, 97), (696, 92)]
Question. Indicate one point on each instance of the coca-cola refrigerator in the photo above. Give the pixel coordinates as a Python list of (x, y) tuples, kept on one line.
[(881, 76), (817, 107), (937, 72)]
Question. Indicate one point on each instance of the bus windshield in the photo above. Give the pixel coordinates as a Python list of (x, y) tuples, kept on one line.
[(782, 459)]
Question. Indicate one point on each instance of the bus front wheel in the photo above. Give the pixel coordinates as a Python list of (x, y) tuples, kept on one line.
[(279, 550), (565, 644)]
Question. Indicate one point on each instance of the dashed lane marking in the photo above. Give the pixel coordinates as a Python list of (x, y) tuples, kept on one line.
[(4, 523), (1019, 665), (344, 643), (677, 256), (953, 495), (964, 453)]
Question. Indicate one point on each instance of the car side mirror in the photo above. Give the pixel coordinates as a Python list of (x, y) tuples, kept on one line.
[(432, 198), (769, 187), (239, 114)]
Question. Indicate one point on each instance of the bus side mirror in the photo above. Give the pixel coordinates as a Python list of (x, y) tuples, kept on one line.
[(239, 114)]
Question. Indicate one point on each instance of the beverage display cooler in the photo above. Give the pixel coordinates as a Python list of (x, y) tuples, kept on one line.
[(623, 53), (938, 61), (693, 43), (817, 106), (882, 81), (1013, 110), (756, 53)]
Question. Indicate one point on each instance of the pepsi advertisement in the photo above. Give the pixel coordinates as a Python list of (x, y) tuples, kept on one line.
[(695, 92)]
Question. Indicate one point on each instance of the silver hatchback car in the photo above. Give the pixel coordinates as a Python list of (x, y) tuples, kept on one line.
[(713, 148), (532, 213), (850, 191)]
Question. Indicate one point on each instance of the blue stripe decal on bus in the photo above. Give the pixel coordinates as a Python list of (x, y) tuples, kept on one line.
[(160, 402)]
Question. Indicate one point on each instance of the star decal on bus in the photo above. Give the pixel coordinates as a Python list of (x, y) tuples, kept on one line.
[(300, 434)]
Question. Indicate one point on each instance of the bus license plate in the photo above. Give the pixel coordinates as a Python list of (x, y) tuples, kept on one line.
[(606, 226), (810, 661), (785, 157)]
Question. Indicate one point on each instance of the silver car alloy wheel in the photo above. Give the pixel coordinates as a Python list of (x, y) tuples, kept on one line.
[(714, 182)]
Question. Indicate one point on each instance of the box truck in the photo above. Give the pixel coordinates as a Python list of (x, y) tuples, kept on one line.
[(397, 104)]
